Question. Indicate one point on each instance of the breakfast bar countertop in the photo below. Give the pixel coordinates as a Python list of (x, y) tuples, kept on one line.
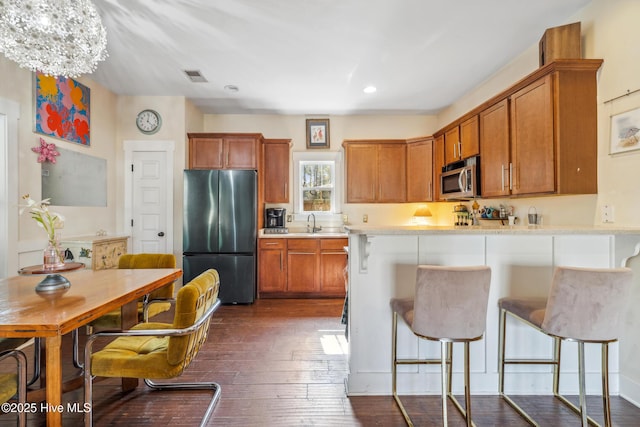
[(401, 230)]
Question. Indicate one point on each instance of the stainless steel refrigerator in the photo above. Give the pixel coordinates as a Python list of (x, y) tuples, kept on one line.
[(219, 230)]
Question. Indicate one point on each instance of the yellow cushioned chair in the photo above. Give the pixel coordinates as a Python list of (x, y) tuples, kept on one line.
[(155, 303), (15, 384), (160, 350)]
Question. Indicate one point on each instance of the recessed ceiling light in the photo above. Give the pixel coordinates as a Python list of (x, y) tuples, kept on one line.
[(231, 88), (370, 89)]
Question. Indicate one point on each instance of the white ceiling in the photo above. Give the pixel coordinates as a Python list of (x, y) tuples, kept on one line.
[(316, 56)]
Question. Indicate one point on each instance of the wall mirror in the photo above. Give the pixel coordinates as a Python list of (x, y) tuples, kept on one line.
[(76, 179)]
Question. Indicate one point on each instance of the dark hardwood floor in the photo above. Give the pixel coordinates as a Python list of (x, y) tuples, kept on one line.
[(280, 363)]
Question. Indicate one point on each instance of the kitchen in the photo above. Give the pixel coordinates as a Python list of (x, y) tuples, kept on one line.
[(608, 33)]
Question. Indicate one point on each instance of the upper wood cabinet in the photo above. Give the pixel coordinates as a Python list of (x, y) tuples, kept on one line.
[(420, 176), (532, 156), (223, 151), (462, 141), (376, 171), (541, 137), (495, 163), (275, 169), (438, 163)]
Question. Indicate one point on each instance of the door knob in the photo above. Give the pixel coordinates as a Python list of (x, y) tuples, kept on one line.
[(161, 233)]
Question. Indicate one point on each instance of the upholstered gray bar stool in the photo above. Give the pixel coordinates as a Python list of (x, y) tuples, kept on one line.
[(450, 305), (584, 305)]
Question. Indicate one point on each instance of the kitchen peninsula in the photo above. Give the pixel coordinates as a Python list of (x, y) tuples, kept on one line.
[(382, 265)]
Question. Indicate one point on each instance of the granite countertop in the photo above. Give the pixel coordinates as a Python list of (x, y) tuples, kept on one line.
[(301, 234), (494, 229)]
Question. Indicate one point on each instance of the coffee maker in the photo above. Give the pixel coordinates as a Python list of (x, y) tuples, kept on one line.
[(274, 220)]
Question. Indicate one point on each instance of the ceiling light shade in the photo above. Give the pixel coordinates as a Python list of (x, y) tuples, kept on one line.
[(57, 37)]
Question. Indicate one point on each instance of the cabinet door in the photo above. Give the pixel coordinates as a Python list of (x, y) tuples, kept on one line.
[(438, 163), (361, 173), (469, 140), (240, 153), (276, 172), (420, 172), (392, 173), (107, 255), (302, 265), (452, 145), (494, 150), (333, 261), (532, 138), (272, 267), (205, 153)]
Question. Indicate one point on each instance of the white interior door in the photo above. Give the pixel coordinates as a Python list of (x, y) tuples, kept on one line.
[(149, 203), (149, 189)]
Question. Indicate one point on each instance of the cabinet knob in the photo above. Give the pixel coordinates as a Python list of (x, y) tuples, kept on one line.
[(160, 234)]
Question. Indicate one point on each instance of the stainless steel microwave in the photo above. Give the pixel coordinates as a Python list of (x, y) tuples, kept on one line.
[(461, 180)]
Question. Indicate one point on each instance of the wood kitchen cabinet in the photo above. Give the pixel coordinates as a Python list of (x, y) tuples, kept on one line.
[(438, 163), (541, 136), (223, 151), (333, 260), (420, 177), (376, 171), (272, 265), (275, 169), (462, 141), (495, 163), (301, 267)]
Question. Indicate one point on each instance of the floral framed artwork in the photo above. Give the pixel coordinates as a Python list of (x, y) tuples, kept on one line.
[(625, 131), (317, 133), (62, 108)]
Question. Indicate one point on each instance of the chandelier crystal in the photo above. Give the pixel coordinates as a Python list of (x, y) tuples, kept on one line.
[(57, 37)]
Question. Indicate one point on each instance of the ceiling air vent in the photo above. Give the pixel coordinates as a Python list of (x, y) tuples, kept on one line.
[(195, 76)]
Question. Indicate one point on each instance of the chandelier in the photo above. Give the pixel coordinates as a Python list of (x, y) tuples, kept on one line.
[(57, 37)]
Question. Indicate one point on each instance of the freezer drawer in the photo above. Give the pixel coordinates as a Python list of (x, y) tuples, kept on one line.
[(237, 274)]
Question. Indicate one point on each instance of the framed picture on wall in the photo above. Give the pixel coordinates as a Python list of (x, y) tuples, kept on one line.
[(317, 133), (62, 108), (625, 131)]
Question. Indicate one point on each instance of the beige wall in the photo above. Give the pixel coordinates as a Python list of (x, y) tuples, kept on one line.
[(17, 85)]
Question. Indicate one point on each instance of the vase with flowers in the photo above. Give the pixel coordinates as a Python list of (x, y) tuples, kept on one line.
[(50, 221)]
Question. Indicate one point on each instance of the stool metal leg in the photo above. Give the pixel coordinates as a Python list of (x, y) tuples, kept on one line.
[(606, 404), (444, 373), (394, 369), (581, 385)]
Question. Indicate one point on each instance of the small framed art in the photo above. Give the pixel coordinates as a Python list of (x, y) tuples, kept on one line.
[(317, 133), (625, 131)]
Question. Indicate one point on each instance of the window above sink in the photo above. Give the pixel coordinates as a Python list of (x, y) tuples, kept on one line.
[(317, 182)]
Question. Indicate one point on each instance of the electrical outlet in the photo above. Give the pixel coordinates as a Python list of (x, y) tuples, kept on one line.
[(365, 218), (345, 219), (289, 218), (606, 213)]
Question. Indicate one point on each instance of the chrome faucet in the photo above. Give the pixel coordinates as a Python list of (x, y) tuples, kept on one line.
[(314, 228)]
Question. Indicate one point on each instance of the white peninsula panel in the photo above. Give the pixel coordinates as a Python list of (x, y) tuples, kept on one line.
[(382, 265)]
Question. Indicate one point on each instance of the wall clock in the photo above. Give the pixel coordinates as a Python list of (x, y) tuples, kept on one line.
[(148, 121)]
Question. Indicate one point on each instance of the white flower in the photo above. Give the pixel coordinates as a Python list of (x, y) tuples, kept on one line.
[(46, 219)]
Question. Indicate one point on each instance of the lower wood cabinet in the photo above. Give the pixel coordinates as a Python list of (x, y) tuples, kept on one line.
[(301, 267), (96, 252)]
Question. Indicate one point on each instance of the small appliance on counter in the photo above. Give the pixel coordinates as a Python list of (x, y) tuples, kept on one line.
[(274, 221)]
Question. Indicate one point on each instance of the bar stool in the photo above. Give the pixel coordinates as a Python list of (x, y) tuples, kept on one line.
[(450, 305), (584, 305)]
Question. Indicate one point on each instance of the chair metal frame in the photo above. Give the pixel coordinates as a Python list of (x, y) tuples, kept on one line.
[(446, 367), (555, 362), (21, 361), (192, 330)]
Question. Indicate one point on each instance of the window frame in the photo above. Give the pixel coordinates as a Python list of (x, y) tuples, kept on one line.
[(327, 156)]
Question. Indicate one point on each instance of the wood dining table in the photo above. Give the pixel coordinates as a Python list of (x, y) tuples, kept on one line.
[(93, 293)]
